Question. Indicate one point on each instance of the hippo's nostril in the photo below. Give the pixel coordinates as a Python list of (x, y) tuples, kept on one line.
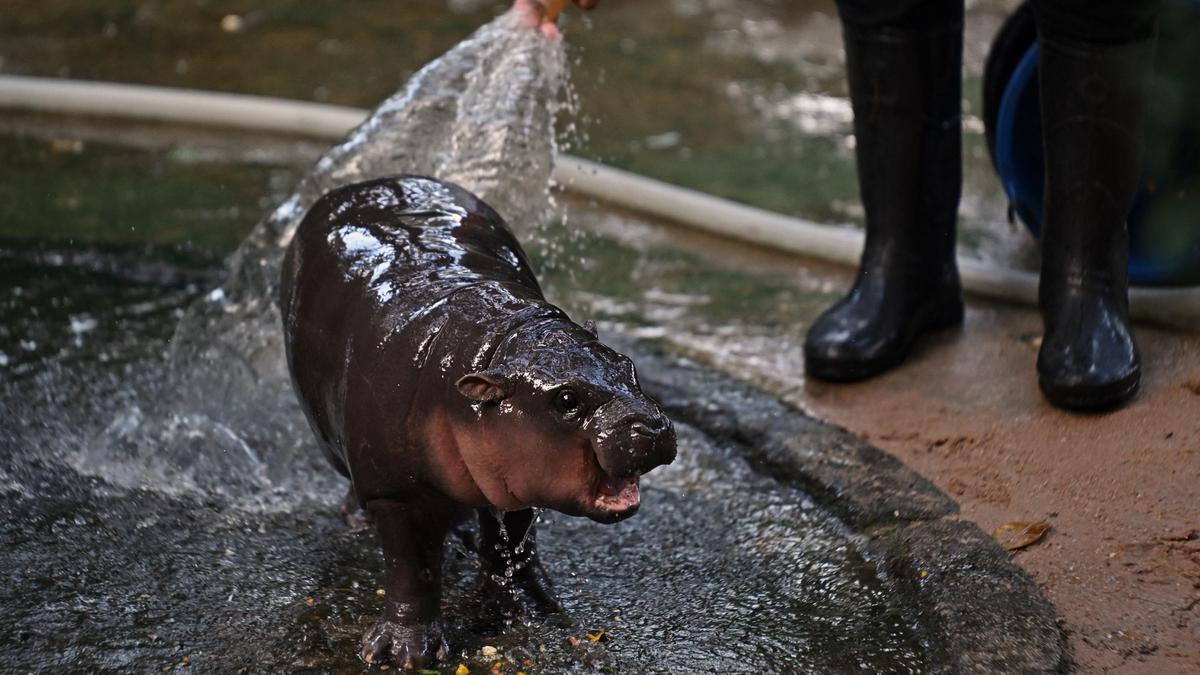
[(642, 430)]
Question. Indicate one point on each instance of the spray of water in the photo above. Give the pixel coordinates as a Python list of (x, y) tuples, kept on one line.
[(225, 420)]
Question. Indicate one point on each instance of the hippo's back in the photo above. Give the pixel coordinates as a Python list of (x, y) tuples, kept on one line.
[(407, 235), (373, 271)]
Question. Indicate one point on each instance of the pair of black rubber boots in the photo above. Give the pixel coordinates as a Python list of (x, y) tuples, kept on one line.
[(905, 86)]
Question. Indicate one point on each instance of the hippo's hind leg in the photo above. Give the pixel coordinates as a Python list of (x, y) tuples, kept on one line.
[(410, 631), (352, 510), (513, 573)]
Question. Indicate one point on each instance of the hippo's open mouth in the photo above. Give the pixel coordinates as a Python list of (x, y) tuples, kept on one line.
[(617, 497)]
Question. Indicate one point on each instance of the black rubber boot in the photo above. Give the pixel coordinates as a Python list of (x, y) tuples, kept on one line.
[(1093, 99), (905, 86)]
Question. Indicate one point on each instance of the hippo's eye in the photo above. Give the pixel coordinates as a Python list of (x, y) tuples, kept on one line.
[(566, 401)]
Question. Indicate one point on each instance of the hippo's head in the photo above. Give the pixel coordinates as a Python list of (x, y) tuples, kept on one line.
[(561, 421)]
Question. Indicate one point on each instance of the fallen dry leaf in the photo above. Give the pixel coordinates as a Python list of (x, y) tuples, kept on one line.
[(1018, 535)]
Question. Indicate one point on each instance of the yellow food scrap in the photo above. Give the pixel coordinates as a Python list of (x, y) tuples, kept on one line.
[(596, 637), (462, 670), (380, 592), (923, 574)]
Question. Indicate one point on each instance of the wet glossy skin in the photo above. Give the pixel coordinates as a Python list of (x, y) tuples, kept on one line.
[(437, 377)]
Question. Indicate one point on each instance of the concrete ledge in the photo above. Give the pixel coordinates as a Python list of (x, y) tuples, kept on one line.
[(982, 612), (975, 609), (860, 483)]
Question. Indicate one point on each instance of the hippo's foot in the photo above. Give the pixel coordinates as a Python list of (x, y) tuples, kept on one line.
[(354, 513), (514, 582), (527, 591), (537, 588), (408, 645)]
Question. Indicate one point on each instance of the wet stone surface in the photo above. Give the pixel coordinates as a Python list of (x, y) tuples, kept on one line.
[(863, 485)]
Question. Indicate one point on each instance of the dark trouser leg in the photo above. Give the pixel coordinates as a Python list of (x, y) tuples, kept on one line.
[(513, 571), (904, 62), (1095, 63), (410, 632)]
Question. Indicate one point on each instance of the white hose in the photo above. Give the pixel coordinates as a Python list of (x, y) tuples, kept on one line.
[(135, 101), (687, 207)]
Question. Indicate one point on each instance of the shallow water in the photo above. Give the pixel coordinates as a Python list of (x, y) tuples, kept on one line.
[(164, 504)]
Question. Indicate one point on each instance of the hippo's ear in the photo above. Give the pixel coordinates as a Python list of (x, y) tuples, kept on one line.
[(484, 386), (590, 326)]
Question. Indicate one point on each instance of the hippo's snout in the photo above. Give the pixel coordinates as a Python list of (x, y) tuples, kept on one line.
[(653, 440), (633, 439)]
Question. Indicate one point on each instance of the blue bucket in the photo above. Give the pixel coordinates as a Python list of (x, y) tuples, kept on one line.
[(1164, 223)]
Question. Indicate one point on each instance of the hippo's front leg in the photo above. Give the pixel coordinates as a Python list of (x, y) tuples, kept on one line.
[(410, 631), (510, 554)]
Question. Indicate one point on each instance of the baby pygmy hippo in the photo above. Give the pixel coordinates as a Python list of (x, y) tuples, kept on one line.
[(438, 379)]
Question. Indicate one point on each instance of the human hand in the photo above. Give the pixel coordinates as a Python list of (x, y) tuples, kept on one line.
[(552, 8), (545, 12)]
